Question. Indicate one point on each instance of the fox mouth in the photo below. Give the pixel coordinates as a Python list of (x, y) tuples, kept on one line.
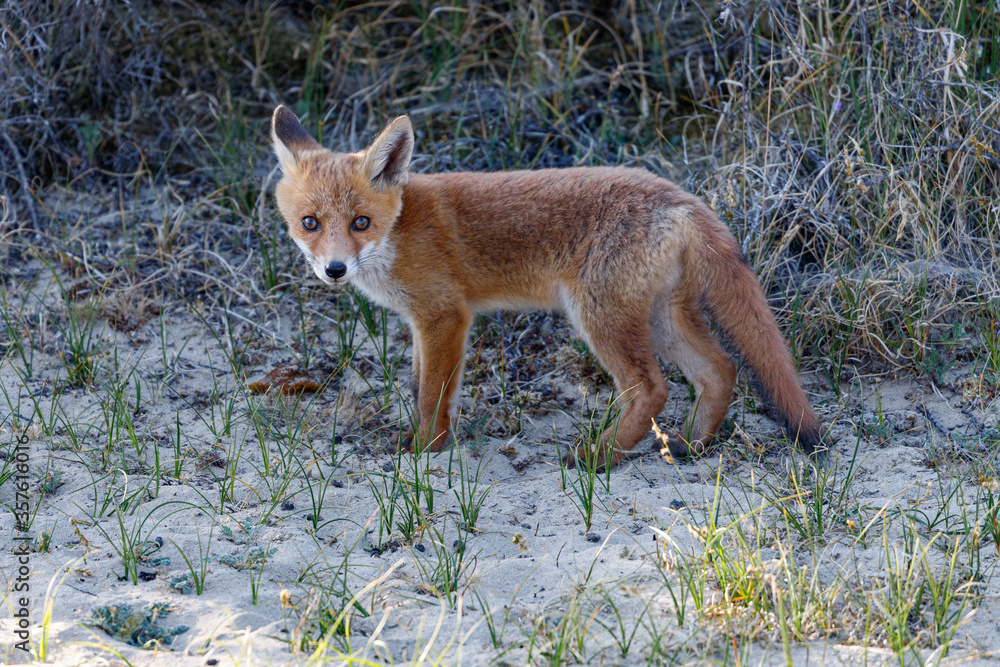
[(331, 282)]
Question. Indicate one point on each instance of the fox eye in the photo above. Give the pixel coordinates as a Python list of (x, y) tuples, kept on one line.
[(310, 224), (360, 223)]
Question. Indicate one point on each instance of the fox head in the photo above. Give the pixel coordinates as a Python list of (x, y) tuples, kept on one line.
[(340, 207)]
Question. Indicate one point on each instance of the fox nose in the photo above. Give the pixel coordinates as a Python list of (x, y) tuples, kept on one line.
[(336, 270)]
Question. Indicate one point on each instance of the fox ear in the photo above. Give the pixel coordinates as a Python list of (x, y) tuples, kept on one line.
[(386, 161), (290, 139)]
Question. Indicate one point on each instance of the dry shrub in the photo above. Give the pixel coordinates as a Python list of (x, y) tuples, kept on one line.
[(128, 309)]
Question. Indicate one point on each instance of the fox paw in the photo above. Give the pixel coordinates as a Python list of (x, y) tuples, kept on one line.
[(405, 442), (569, 459), (678, 448), (602, 459)]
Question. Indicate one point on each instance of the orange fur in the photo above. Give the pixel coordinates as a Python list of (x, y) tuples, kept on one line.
[(630, 258)]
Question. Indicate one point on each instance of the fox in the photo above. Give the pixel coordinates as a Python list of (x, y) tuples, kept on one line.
[(634, 262)]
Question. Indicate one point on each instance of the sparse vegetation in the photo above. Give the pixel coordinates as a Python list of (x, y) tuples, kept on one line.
[(145, 281), (139, 627)]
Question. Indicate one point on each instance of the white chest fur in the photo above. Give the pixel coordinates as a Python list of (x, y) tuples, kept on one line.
[(374, 277)]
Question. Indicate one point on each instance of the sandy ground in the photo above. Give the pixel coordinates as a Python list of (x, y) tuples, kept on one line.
[(530, 564)]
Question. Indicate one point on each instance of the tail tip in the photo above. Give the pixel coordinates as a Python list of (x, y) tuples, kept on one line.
[(809, 437)]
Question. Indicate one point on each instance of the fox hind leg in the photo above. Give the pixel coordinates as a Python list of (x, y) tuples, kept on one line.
[(626, 352), (682, 336)]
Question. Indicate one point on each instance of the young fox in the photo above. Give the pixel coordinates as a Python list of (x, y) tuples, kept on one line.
[(629, 257)]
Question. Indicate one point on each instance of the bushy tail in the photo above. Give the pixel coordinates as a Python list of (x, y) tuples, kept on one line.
[(736, 300)]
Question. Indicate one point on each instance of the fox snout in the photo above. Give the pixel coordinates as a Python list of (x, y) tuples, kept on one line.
[(336, 270)]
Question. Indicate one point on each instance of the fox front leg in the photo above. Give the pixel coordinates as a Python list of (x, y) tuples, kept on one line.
[(439, 350), (410, 418)]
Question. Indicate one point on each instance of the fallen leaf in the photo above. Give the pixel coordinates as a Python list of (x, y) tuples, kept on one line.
[(287, 380)]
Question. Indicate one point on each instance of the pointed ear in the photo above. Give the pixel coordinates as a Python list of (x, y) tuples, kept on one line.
[(290, 139), (386, 161)]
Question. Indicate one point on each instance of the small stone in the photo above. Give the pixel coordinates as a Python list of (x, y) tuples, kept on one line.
[(388, 466), (419, 547), (677, 504), (593, 537), (288, 506)]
